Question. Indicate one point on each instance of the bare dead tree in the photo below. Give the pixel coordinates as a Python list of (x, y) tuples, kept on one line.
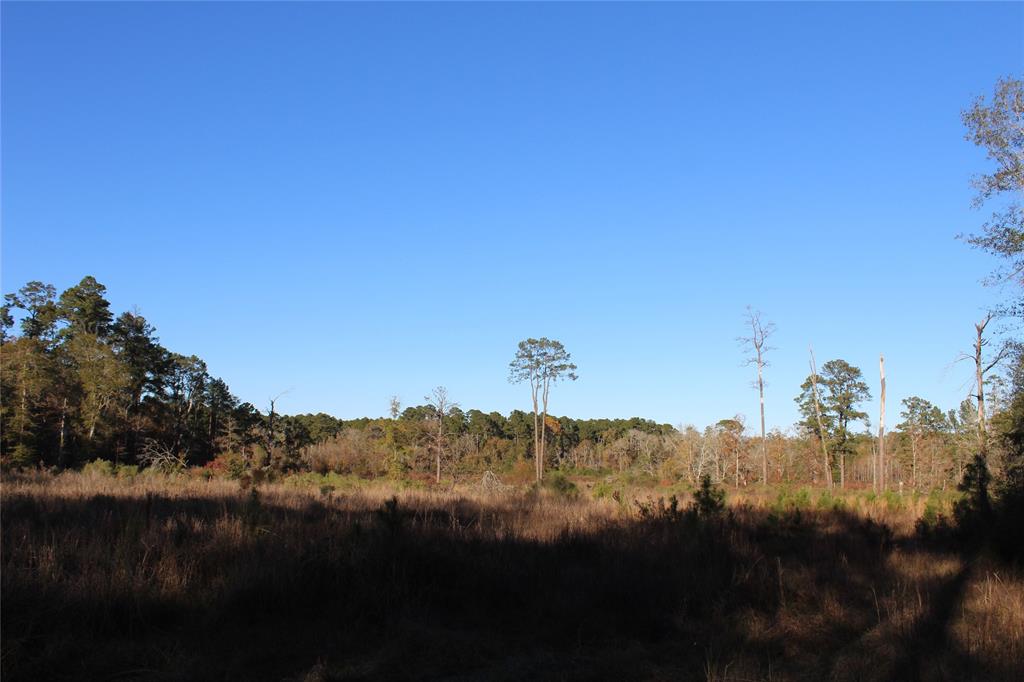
[(880, 471), (817, 413), (161, 457), (270, 422), (981, 368), (443, 406), (757, 341)]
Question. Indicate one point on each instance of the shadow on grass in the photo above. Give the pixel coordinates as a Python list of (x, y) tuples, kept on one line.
[(115, 587)]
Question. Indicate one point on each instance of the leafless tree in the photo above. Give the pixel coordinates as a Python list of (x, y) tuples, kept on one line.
[(443, 406), (880, 466), (757, 341), (158, 456), (982, 367)]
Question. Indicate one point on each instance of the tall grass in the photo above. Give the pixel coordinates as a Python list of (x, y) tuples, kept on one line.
[(177, 578)]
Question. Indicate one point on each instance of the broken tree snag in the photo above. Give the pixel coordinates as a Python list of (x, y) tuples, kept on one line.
[(881, 426), (821, 427)]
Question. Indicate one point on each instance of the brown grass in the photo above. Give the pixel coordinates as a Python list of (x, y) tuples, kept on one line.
[(156, 578)]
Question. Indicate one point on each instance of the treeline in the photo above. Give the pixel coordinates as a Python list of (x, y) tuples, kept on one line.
[(80, 384)]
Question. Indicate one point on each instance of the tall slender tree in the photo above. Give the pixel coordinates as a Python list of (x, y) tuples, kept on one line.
[(880, 467), (442, 408), (757, 342), (541, 362)]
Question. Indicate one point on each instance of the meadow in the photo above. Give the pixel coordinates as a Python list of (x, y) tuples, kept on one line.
[(168, 578)]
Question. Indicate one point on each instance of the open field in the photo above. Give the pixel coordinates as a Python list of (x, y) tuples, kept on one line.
[(159, 578)]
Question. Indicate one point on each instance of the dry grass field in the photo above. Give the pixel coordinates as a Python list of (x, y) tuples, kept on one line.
[(173, 579)]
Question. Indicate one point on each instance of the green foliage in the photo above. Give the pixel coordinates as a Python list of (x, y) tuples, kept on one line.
[(558, 483), (603, 489), (893, 501), (840, 389), (331, 480), (22, 455), (99, 467), (828, 501), (788, 500), (229, 464), (709, 499), (995, 126), (973, 512)]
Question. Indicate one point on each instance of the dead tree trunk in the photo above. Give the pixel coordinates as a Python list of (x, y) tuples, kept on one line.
[(759, 334), (980, 370), (881, 428), (821, 427)]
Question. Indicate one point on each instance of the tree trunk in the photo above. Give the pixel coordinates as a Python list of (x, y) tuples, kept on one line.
[(913, 454), (881, 428), (61, 463), (821, 427), (980, 376), (764, 438), (440, 439), (536, 431), (543, 433)]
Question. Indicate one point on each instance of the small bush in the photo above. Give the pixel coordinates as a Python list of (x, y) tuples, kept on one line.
[(230, 464), (99, 467), (827, 501), (709, 500), (659, 511), (602, 489), (893, 501), (559, 483), (389, 516), (21, 455)]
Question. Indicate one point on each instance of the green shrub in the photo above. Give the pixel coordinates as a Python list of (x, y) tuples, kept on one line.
[(22, 455), (559, 483), (893, 501), (828, 501), (709, 499), (602, 489), (99, 467)]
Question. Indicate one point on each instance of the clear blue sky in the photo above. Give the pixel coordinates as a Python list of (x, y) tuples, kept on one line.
[(354, 201)]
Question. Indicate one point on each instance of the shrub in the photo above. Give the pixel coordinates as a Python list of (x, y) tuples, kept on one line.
[(559, 483), (893, 501), (99, 467), (22, 455), (828, 501), (230, 464), (709, 500), (659, 510), (602, 489)]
